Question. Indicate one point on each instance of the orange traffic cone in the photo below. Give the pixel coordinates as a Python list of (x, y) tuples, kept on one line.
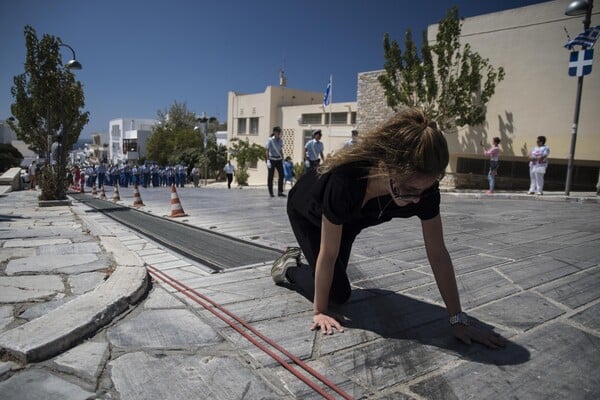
[(137, 199), (176, 209), (102, 193), (94, 191), (116, 196)]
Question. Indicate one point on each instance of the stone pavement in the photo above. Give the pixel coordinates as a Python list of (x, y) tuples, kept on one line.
[(528, 266)]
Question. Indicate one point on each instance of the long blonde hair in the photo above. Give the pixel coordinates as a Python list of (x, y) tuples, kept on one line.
[(404, 145)]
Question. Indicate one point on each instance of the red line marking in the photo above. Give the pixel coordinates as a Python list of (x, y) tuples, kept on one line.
[(198, 298)]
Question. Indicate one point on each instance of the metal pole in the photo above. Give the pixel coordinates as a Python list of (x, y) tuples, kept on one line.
[(574, 136), (586, 25), (205, 157)]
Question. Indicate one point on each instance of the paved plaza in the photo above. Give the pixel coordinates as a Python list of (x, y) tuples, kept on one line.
[(79, 317)]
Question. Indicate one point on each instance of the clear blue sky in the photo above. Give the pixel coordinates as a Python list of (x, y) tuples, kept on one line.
[(140, 56)]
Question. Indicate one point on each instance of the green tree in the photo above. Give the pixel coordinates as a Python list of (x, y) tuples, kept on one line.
[(48, 100), (452, 84), (245, 153), (174, 135)]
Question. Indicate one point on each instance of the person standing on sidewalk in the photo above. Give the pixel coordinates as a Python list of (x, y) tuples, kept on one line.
[(538, 163), (229, 171), (353, 140), (313, 153), (274, 157), (32, 171), (196, 176), (493, 154), (392, 173)]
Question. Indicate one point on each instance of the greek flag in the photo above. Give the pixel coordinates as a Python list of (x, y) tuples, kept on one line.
[(327, 96), (585, 39), (580, 62)]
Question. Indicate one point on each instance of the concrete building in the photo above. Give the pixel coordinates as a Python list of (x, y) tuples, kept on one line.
[(537, 97), (297, 112), (128, 138)]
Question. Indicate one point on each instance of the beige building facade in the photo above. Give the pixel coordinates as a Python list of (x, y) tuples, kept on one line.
[(297, 112), (536, 97)]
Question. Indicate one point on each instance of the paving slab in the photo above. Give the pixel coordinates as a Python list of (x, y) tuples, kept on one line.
[(64, 326), (85, 361), (37, 310), (178, 376), (556, 370), (589, 317), (38, 384), (6, 316), (54, 263), (522, 312), (574, 290), (14, 289), (86, 281), (163, 329), (475, 289), (16, 252), (72, 248)]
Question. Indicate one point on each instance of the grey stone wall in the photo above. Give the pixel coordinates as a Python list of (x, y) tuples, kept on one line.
[(371, 103)]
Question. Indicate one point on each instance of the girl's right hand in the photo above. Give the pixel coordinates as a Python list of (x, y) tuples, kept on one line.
[(326, 324)]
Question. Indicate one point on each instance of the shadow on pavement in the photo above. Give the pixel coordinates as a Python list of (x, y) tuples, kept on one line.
[(8, 218), (391, 315)]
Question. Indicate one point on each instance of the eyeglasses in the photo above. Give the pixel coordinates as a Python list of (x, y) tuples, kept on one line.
[(399, 196)]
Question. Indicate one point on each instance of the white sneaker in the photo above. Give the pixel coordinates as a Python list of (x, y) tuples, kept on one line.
[(289, 259)]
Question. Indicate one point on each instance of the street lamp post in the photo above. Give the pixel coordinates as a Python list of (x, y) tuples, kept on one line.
[(72, 64), (203, 120), (575, 8)]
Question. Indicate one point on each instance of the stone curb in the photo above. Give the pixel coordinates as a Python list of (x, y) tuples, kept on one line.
[(69, 324)]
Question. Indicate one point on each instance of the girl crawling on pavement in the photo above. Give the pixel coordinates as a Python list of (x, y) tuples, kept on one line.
[(392, 173)]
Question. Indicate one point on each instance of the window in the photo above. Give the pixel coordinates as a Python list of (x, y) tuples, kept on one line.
[(310, 119), (339, 118), (353, 118), (254, 126), (306, 136), (115, 132), (129, 145), (241, 126)]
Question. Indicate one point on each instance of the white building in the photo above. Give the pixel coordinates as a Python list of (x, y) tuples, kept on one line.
[(297, 112), (536, 97), (128, 138)]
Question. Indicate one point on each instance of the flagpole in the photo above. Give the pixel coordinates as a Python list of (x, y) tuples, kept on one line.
[(330, 103)]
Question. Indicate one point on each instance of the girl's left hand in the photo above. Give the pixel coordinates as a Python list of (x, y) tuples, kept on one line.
[(483, 335)]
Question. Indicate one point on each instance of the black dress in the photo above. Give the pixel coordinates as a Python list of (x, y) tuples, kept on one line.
[(338, 195)]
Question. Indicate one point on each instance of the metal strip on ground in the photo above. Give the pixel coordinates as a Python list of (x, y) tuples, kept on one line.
[(212, 249)]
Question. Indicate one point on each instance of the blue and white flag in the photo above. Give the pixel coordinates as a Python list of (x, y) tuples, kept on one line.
[(580, 62), (585, 39), (327, 96)]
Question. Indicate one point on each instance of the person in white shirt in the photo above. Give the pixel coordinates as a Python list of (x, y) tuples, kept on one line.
[(229, 171), (314, 151), (274, 157), (353, 140), (538, 163)]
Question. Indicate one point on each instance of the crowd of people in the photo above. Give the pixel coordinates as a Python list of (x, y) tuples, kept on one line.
[(145, 175)]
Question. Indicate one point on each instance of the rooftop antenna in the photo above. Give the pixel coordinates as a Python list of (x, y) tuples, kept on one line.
[(282, 78)]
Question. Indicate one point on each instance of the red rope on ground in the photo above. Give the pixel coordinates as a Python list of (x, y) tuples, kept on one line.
[(193, 294)]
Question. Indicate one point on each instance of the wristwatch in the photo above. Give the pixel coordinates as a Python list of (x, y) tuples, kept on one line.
[(460, 318)]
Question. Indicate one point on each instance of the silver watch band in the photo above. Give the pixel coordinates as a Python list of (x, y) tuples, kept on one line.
[(460, 318)]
